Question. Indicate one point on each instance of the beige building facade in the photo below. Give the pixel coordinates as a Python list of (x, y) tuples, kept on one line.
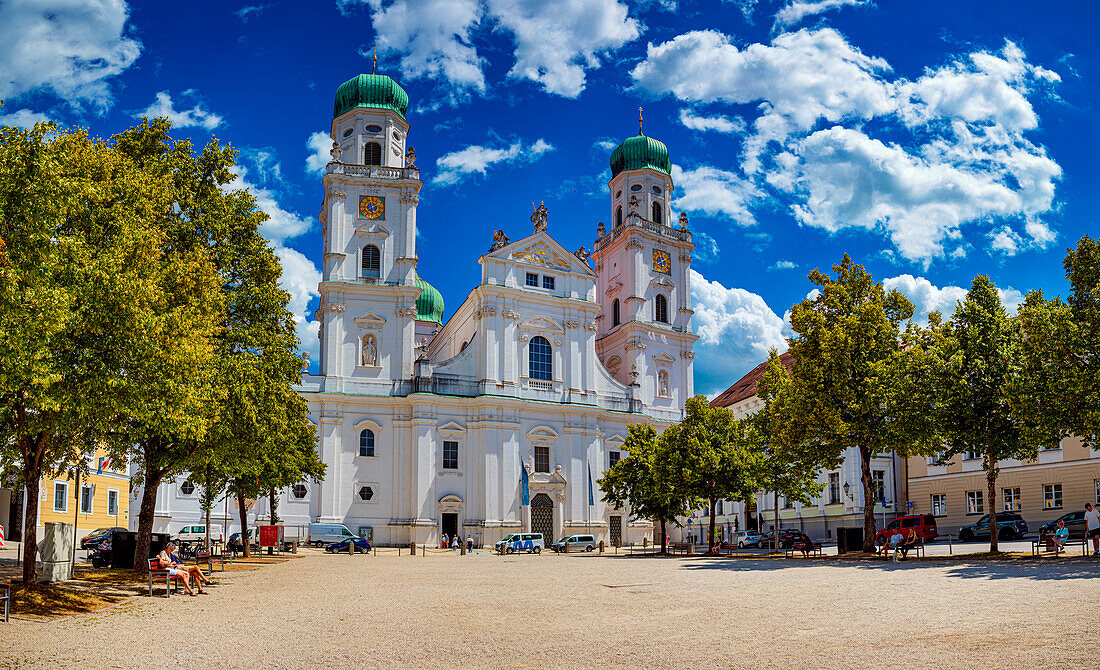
[(1062, 479)]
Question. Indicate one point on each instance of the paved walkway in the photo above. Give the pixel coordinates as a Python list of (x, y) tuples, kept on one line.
[(586, 611)]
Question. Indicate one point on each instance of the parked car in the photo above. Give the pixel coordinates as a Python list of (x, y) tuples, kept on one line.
[(787, 537), (924, 524), (361, 546), (576, 543), (234, 542), (1010, 526), (197, 533), (517, 542), (321, 534), (97, 537), (1075, 522), (746, 538)]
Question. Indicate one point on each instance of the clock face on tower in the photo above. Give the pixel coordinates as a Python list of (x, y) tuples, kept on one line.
[(372, 207), (662, 261)]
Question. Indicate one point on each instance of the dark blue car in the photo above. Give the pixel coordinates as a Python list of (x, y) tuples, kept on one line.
[(361, 546)]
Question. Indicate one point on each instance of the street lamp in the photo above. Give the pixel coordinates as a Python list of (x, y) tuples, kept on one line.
[(846, 489)]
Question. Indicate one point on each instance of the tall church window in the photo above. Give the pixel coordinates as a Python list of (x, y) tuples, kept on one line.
[(661, 308), (372, 261), (542, 459), (615, 312), (619, 216), (540, 359), (366, 442), (656, 211), (372, 154)]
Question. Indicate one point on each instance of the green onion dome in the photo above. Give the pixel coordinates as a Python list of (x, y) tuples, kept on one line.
[(370, 90), (429, 306), (640, 151)]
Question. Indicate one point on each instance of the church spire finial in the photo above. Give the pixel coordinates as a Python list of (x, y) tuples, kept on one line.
[(374, 60), (639, 119)]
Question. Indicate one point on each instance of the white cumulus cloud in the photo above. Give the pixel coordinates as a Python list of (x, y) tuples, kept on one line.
[(796, 10), (556, 42), (715, 192), (476, 159), (717, 123), (927, 297), (22, 118), (181, 118), (71, 48), (319, 145), (736, 331)]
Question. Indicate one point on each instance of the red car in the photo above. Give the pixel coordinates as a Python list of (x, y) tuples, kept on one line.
[(924, 524)]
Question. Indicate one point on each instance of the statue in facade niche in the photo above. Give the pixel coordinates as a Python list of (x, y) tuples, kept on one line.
[(370, 351), (500, 240), (539, 216), (633, 203)]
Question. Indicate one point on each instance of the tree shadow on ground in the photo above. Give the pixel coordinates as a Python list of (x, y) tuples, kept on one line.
[(966, 568)]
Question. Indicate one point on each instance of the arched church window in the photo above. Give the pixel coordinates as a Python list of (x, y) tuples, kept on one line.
[(661, 308), (657, 212), (372, 154), (372, 261), (540, 359), (615, 312), (619, 216), (366, 442)]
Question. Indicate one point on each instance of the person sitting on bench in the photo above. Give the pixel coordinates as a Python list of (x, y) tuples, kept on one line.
[(1061, 536), (910, 539), (170, 562)]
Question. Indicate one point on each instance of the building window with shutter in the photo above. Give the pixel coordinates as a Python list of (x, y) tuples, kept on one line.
[(660, 304), (372, 262), (372, 154)]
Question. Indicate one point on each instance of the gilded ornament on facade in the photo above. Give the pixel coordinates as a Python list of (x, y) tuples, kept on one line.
[(662, 262), (540, 253), (372, 207)]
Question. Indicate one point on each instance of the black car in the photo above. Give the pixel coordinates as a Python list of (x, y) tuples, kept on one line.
[(361, 546), (1075, 522), (787, 538), (1010, 526), (98, 536)]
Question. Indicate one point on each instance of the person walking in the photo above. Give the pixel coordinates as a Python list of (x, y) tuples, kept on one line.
[(1092, 526), (469, 543), (443, 542)]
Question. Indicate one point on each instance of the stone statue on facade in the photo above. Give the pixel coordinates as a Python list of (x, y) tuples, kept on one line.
[(582, 254), (539, 216), (633, 203), (600, 230), (500, 240), (335, 152), (370, 351), (410, 157), (683, 220)]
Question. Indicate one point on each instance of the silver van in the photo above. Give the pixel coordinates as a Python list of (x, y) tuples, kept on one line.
[(517, 542), (576, 543), (321, 534)]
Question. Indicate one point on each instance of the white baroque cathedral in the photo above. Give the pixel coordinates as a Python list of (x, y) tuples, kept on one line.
[(425, 424)]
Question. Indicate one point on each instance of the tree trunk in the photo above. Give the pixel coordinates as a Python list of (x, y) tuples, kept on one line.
[(207, 515), (145, 518), (775, 520), (710, 544), (273, 506), (868, 500), (991, 484), (33, 474), (245, 543), (664, 545)]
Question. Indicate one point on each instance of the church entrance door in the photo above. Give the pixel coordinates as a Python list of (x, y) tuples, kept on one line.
[(616, 531), (450, 525), (542, 517)]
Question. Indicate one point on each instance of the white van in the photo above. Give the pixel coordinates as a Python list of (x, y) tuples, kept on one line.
[(197, 533), (321, 534), (517, 542), (576, 543)]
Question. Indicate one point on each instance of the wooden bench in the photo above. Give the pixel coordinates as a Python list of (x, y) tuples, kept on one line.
[(1038, 543), (209, 556), (814, 551), (5, 595), (156, 571)]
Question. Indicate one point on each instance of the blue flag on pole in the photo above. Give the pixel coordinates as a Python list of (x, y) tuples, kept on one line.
[(526, 490), (590, 500)]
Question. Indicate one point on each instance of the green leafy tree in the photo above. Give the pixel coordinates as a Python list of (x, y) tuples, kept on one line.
[(1080, 340), (789, 462), (92, 303), (713, 458), (980, 361), (640, 482), (848, 365)]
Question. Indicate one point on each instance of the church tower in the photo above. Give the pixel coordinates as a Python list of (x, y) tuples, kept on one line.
[(644, 333), (373, 304)]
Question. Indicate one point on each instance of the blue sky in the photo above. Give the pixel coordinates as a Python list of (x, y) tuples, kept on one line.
[(930, 140)]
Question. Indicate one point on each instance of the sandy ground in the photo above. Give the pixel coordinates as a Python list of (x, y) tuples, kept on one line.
[(585, 611)]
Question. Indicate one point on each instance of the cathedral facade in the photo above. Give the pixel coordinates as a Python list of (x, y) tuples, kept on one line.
[(426, 425)]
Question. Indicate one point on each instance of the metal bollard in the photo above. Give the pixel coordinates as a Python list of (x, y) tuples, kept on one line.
[(462, 549), (567, 547), (351, 548), (601, 546), (949, 551), (412, 547)]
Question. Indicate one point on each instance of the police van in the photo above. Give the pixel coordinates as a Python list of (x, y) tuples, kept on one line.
[(517, 542)]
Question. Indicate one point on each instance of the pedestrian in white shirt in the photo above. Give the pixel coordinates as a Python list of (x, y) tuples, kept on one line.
[(1092, 525)]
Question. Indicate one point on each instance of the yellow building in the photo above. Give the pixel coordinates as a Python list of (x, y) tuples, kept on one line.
[(101, 501)]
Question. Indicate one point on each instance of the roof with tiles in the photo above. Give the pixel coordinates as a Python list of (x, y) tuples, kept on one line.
[(745, 387)]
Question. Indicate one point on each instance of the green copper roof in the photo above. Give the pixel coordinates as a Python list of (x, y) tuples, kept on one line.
[(429, 306), (370, 90), (640, 151)]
